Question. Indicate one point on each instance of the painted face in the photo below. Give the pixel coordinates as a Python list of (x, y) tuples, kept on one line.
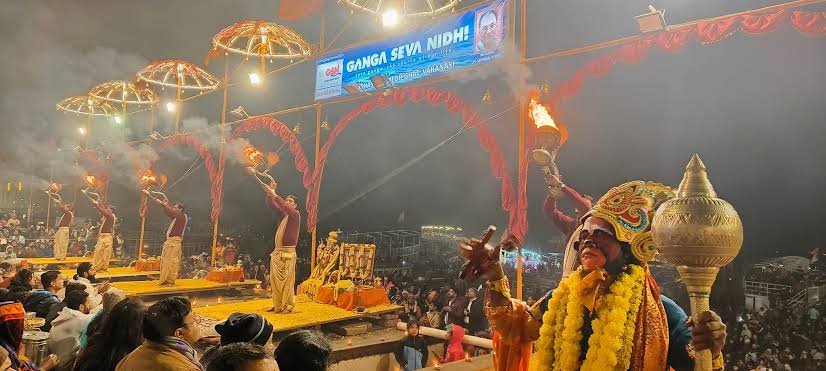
[(597, 245)]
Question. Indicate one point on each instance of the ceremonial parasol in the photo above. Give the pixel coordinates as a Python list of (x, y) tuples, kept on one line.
[(261, 39), (182, 76), (125, 93), (88, 106)]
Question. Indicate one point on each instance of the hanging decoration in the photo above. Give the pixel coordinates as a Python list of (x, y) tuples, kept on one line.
[(435, 97)]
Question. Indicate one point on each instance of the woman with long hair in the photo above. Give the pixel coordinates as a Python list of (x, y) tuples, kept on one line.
[(119, 334), (21, 285)]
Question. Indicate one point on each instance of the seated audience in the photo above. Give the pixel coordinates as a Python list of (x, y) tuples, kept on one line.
[(40, 301), (242, 356), (110, 299), (21, 285), (56, 308), (66, 328), (12, 322), (303, 351), (119, 333), (170, 330), (241, 328)]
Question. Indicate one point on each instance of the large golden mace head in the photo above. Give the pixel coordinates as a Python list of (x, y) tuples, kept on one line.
[(698, 233), (696, 228)]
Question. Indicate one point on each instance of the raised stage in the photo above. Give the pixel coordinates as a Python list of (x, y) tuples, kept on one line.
[(117, 274), (306, 314), (69, 261), (183, 287)]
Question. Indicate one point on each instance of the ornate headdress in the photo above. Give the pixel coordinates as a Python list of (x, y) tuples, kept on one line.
[(629, 208)]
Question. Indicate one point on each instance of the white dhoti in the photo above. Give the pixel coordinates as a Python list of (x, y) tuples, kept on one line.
[(170, 260), (103, 252), (61, 243), (282, 278), (282, 273)]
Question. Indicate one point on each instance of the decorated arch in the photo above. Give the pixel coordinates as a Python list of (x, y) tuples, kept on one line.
[(435, 97)]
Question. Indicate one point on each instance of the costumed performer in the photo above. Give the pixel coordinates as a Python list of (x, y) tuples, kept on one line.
[(61, 237), (283, 258), (608, 314), (171, 254), (103, 247)]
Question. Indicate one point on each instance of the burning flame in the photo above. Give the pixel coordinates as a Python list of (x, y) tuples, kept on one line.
[(148, 178), (253, 156), (55, 187), (539, 114), (91, 180)]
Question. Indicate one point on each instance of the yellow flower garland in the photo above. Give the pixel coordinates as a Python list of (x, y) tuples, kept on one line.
[(611, 343)]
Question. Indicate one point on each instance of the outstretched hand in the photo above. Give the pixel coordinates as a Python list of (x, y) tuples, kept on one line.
[(483, 259)]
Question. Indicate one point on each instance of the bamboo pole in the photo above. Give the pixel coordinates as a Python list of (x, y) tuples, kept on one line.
[(140, 241), (49, 199), (314, 231), (522, 110), (221, 155), (178, 105)]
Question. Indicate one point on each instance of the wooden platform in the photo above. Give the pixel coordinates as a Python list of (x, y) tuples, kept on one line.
[(116, 274), (306, 314), (70, 260), (182, 287)]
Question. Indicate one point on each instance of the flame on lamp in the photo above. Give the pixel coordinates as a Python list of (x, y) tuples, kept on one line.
[(253, 156), (539, 114), (91, 180), (148, 178), (55, 187)]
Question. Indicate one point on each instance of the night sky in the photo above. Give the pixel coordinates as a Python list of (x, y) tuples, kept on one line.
[(751, 105)]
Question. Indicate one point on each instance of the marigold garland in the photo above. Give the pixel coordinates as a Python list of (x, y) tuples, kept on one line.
[(611, 343)]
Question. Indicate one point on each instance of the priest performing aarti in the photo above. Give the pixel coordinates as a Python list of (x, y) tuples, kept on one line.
[(171, 253), (61, 237), (103, 247), (283, 258), (608, 314)]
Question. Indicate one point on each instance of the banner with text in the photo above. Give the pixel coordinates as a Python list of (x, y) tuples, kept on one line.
[(451, 43)]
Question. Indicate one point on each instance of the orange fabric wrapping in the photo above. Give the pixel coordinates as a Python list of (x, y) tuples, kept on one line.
[(225, 276), (512, 339), (324, 295), (144, 265)]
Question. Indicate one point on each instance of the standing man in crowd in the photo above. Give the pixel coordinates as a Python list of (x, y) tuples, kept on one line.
[(171, 253), (103, 248), (283, 258), (61, 237), (455, 309)]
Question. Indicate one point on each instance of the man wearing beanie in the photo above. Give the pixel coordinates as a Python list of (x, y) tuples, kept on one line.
[(241, 328)]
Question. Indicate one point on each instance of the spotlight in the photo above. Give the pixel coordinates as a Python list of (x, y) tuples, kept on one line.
[(118, 120), (255, 80), (170, 106), (390, 18)]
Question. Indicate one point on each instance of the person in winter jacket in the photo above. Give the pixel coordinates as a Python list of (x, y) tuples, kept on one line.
[(69, 324), (412, 351), (40, 301)]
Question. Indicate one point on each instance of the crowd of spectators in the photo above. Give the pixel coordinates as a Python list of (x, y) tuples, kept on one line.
[(93, 326), (20, 238)]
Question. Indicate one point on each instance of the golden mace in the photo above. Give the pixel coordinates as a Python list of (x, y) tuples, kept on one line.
[(698, 233)]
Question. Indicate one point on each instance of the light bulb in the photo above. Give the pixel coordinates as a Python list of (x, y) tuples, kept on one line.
[(390, 18)]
